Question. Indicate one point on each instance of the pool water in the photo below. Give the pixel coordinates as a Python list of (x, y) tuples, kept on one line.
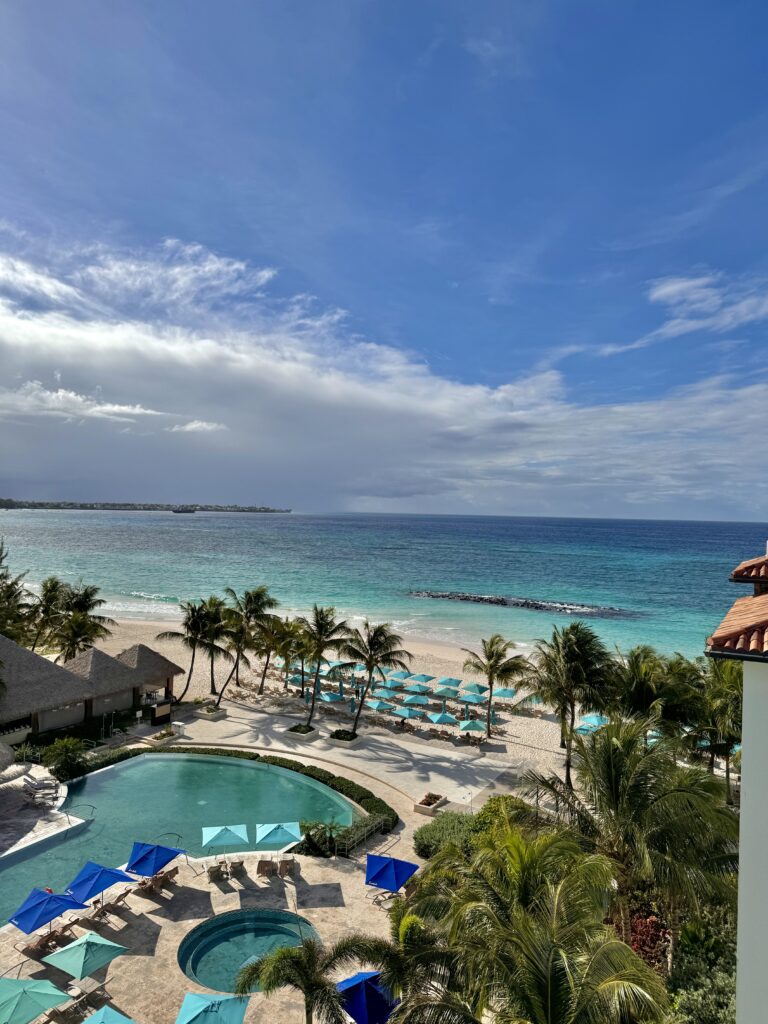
[(165, 798), (213, 953)]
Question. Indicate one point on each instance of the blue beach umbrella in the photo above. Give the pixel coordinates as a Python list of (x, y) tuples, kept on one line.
[(449, 692), (149, 858), (378, 705), (422, 678), (393, 684), (442, 718), (384, 693), (448, 681), (415, 700), (41, 907), (400, 675), (408, 712), (24, 999), (505, 693), (93, 879), (107, 1015), (199, 1008), (471, 698), (472, 725), (475, 688), (418, 688), (388, 873), (85, 955), (286, 833), (365, 1000), (225, 835), (331, 698)]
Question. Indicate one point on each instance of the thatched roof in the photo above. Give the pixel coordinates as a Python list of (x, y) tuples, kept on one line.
[(35, 684), (150, 666), (106, 675)]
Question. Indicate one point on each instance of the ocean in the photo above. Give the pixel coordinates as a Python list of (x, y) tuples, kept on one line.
[(636, 581)]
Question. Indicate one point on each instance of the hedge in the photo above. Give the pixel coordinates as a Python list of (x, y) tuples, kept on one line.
[(364, 798)]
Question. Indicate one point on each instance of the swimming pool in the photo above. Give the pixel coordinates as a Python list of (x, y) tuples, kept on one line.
[(159, 798), (214, 951)]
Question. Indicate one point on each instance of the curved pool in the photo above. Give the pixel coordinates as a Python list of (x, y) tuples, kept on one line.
[(214, 952), (165, 798)]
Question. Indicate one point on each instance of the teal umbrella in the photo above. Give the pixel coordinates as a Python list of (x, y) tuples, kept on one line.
[(286, 833), (471, 698), (199, 1008), (225, 835), (505, 693), (447, 692), (384, 693), (332, 698), (24, 999), (378, 705), (475, 688), (472, 725), (418, 688), (422, 678), (400, 675), (106, 1015), (442, 718), (85, 955), (534, 699), (408, 712), (448, 681), (416, 699)]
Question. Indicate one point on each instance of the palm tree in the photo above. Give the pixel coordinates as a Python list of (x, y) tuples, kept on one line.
[(572, 669), (237, 639), (307, 969), (214, 634), (48, 608), (722, 700), (268, 634), (14, 602), (376, 647), (323, 633), (495, 665), (287, 646), (191, 635), (77, 632), (84, 598), (659, 822)]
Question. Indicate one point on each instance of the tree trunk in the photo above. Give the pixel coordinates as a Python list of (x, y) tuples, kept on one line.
[(213, 680), (302, 676), (711, 759), (314, 694), (264, 672), (488, 712), (308, 1018), (728, 792), (228, 679), (363, 695), (569, 747), (673, 920), (562, 732), (625, 925), (179, 699)]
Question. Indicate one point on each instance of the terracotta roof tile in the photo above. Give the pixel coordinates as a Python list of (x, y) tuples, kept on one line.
[(744, 630), (752, 571)]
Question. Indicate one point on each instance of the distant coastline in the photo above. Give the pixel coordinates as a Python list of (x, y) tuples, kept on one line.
[(131, 506)]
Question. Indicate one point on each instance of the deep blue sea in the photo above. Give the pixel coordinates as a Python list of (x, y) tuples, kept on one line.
[(669, 579)]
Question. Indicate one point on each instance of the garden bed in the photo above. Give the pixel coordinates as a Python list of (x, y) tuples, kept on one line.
[(345, 738), (430, 804), (210, 713)]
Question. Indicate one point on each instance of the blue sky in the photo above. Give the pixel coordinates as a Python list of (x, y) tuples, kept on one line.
[(510, 253)]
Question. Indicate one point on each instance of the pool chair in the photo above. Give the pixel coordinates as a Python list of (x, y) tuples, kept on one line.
[(38, 945), (236, 867), (168, 877), (285, 867), (265, 868), (215, 872)]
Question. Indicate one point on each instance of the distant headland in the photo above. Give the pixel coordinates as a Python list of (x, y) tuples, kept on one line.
[(131, 506)]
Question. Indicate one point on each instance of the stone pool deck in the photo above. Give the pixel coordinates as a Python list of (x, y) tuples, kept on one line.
[(147, 983)]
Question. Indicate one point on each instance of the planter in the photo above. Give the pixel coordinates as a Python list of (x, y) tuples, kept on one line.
[(162, 741), (431, 810), (348, 744), (303, 737), (210, 716)]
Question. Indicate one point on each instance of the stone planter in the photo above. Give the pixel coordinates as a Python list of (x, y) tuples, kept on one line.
[(346, 744), (303, 737), (210, 716), (162, 741), (432, 810)]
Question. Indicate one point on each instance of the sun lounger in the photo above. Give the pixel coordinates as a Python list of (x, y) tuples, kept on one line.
[(215, 872), (37, 946), (265, 868), (285, 867), (166, 877), (236, 867)]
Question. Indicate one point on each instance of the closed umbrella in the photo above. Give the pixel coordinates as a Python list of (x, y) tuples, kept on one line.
[(93, 879), (41, 907), (199, 1008), (85, 955), (416, 699), (24, 999)]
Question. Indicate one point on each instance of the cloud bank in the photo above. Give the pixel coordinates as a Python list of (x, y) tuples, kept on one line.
[(178, 374)]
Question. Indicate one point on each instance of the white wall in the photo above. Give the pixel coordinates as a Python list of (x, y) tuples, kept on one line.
[(752, 972), (115, 702), (59, 718)]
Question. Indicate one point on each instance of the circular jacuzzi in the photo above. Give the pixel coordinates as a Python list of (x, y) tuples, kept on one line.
[(213, 952)]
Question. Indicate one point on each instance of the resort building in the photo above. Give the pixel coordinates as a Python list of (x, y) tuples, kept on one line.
[(743, 634), (38, 695)]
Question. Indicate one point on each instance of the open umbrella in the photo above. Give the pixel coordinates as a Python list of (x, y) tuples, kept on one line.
[(282, 834), (378, 705), (41, 907), (365, 999), (448, 681), (388, 873), (416, 699), (332, 698), (106, 1015), (422, 678), (85, 955), (475, 688), (471, 725), (199, 1008), (400, 675), (225, 835), (24, 999), (149, 858), (534, 699), (448, 692), (408, 712), (418, 688), (93, 879), (471, 698), (384, 693), (442, 718), (505, 693)]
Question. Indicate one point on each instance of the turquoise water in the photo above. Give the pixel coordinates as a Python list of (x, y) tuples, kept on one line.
[(214, 952), (159, 798), (671, 578)]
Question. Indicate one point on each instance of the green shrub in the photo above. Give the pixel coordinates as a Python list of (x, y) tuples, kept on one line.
[(302, 729), (65, 758), (343, 734), (450, 827), (713, 1002)]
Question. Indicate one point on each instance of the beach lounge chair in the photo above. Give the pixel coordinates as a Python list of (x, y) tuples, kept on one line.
[(215, 872), (168, 877), (285, 867), (37, 946), (265, 868), (236, 867)]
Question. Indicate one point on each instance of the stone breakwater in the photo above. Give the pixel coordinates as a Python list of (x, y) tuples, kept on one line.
[(530, 603)]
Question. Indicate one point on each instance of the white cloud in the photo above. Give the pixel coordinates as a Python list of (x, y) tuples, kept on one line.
[(197, 427), (33, 399)]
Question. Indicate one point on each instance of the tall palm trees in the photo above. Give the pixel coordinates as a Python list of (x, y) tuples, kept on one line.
[(215, 635), (572, 669), (77, 632), (48, 609), (722, 707), (496, 666), (323, 633), (307, 969), (376, 647), (191, 634)]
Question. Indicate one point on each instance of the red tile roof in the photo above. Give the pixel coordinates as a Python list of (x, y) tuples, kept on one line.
[(744, 630), (754, 570)]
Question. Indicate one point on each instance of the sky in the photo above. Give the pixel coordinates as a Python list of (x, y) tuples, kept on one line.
[(499, 257)]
